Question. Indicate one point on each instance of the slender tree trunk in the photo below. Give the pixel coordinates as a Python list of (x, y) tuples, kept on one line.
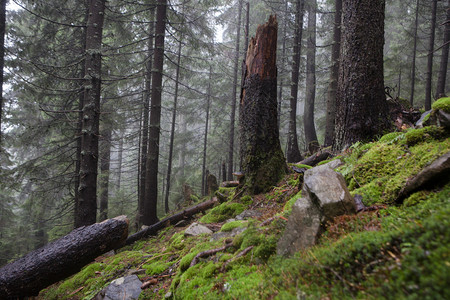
[(182, 155), (308, 117), (334, 74), (430, 56), (361, 109), (172, 131), (233, 95), (145, 129), (224, 171), (151, 180), (293, 152), (205, 141), (283, 63), (119, 160), (87, 206), (443, 68), (105, 159), (413, 64), (2, 60), (263, 161)]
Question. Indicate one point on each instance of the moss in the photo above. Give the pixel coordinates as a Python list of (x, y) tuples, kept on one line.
[(234, 224), (392, 137), (246, 200), (156, 267), (426, 134), (186, 261), (302, 166), (442, 104), (177, 241), (416, 198), (223, 212), (287, 209), (194, 198)]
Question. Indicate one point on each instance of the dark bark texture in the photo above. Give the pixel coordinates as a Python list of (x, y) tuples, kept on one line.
[(334, 74), (361, 108), (293, 152), (262, 160), (443, 67), (413, 64), (151, 185), (87, 202), (105, 159), (2, 59), (430, 56), (40, 268)]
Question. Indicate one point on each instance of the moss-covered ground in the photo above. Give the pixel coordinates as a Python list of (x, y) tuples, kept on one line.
[(390, 252)]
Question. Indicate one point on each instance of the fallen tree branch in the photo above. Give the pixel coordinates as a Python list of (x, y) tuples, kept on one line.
[(153, 229), (209, 253), (316, 158), (55, 261), (240, 254)]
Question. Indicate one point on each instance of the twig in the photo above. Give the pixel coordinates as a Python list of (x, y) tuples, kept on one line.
[(208, 253), (242, 253)]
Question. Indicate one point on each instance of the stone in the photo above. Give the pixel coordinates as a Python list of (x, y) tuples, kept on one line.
[(324, 196), (249, 213), (420, 122), (222, 234), (302, 229), (334, 164), (124, 288), (327, 190), (197, 229), (443, 118)]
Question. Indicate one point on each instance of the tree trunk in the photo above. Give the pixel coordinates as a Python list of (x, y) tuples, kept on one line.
[(361, 108), (205, 140), (233, 95), (105, 158), (2, 60), (224, 171), (413, 64), (172, 220), (430, 56), (263, 162), (119, 160), (40, 268), (151, 180), (308, 117), (443, 68), (283, 63), (87, 205), (147, 90), (334, 74), (172, 130), (293, 152)]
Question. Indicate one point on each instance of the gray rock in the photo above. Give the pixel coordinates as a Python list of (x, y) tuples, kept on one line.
[(302, 229), (443, 118), (324, 196), (221, 234), (328, 191), (124, 288), (419, 123), (334, 164), (197, 229), (246, 214)]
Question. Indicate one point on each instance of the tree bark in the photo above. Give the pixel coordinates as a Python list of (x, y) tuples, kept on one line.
[(87, 204), (172, 130), (2, 60), (233, 95), (443, 67), (413, 64), (205, 139), (283, 63), (430, 56), (105, 158), (145, 129), (293, 152), (361, 108), (40, 268), (172, 220), (263, 162), (151, 184), (308, 117), (334, 75)]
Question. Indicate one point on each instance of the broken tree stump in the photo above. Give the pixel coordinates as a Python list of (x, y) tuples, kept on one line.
[(59, 259), (262, 160), (153, 229)]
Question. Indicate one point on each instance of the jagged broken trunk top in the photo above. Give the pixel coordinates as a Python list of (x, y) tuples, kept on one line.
[(262, 160)]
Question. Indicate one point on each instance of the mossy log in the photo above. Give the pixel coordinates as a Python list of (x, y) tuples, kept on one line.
[(262, 160), (316, 158), (153, 229), (55, 261)]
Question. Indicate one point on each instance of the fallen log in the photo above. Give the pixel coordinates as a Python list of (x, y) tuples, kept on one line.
[(316, 158), (233, 183), (57, 260), (153, 229)]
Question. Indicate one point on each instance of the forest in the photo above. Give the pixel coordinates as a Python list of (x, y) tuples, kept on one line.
[(144, 108)]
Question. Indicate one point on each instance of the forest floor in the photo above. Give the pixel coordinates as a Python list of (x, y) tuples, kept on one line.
[(393, 251)]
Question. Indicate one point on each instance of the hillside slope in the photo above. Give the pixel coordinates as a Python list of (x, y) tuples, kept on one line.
[(387, 251)]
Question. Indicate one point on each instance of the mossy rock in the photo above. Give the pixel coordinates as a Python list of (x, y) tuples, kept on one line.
[(429, 133), (223, 212), (442, 104)]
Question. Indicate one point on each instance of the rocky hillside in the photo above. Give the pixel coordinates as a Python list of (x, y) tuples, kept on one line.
[(394, 244)]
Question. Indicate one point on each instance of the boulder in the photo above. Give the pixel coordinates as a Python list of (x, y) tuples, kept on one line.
[(324, 196), (124, 288), (421, 121), (249, 213), (197, 229)]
